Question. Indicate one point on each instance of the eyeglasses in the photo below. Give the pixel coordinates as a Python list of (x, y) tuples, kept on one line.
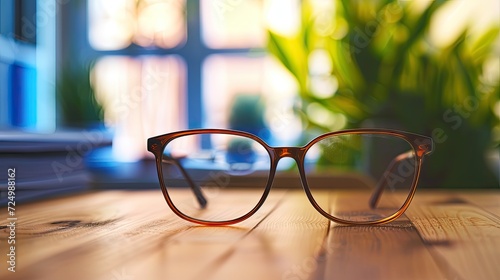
[(362, 176)]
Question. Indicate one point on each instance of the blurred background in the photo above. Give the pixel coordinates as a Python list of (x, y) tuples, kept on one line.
[(99, 77)]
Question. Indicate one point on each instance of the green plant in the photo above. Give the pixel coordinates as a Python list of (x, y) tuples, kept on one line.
[(76, 99), (386, 68)]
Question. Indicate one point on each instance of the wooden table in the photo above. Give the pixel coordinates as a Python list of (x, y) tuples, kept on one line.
[(134, 235)]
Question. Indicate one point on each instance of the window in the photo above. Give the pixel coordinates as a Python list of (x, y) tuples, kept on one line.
[(165, 65), (27, 43), (116, 25)]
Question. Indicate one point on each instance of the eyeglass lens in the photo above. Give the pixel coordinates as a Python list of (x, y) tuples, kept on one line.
[(360, 177)]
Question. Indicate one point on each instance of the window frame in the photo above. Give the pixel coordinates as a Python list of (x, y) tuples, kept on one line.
[(193, 51)]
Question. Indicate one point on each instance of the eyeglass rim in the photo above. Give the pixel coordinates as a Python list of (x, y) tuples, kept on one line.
[(422, 145)]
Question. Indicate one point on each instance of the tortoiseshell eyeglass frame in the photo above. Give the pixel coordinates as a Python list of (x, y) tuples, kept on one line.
[(421, 145)]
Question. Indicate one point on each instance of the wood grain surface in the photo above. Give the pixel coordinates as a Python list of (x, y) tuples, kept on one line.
[(134, 235)]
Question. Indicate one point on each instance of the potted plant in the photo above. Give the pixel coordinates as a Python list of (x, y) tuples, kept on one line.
[(76, 99), (382, 69)]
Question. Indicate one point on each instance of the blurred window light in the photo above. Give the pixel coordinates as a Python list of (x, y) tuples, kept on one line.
[(232, 23), (283, 16), (137, 105), (142, 97), (225, 77), (115, 25), (451, 20), (243, 23)]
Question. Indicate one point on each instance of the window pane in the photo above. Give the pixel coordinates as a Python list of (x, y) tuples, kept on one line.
[(242, 23), (142, 97), (116, 24), (232, 23), (230, 81)]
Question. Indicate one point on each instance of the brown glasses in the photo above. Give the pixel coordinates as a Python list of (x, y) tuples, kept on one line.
[(362, 176)]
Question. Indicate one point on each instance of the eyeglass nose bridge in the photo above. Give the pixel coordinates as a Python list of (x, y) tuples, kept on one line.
[(292, 152)]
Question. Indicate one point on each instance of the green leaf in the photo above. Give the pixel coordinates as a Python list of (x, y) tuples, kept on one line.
[(291, 53), (417, 30), (465, 70), (481, 48)]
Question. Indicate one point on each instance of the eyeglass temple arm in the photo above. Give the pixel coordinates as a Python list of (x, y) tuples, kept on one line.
[(194, 187), (382, 183)]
